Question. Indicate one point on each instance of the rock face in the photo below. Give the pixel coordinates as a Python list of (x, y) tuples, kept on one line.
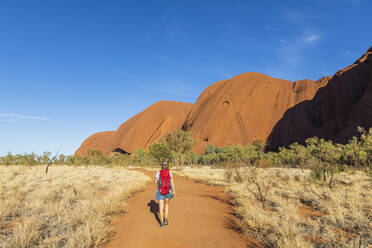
[(336, 110), (244, 108), (100, 141), (150, 125), (254, 106), (141, 130)]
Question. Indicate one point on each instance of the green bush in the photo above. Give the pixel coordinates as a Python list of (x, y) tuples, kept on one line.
[(180, 143), (161, 152), (324, 158), (143, 158)]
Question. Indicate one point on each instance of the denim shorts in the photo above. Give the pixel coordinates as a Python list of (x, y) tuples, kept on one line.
[(160, 196)]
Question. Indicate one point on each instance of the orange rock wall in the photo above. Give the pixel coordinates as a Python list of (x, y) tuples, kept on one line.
[(244, 108), (336, 110), (141, 130), (253, 106)]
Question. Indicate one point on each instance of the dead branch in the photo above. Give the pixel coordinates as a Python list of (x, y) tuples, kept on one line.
[(258, 183), (50, 162)]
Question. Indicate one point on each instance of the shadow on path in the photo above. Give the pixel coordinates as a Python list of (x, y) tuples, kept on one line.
[(154, 208)]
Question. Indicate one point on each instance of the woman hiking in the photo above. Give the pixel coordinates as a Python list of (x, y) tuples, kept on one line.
[(164, 191)]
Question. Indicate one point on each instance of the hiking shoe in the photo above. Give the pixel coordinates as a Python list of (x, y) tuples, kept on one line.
[(165, 221)]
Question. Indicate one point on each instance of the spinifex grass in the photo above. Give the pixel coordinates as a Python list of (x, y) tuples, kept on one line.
[(292, 210), (68, 207)]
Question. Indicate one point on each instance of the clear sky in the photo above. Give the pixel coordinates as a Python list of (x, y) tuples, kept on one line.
[(70, 68)]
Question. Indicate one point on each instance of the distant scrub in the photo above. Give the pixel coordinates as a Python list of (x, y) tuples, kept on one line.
[(313, 205), (325, 158), (321, 198)]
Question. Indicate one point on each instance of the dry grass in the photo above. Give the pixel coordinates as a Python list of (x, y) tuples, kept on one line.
[(200, 174), (294, 211), (69, 207), (203, 174)]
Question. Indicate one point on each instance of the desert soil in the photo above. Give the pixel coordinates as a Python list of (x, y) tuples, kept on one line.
[(199, 216)]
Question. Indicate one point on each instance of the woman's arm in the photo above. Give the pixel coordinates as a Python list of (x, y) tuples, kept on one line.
[(156, 183), (174, 189), (156, 179)]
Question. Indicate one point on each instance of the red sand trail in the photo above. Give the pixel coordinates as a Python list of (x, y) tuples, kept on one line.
[(199, 216)]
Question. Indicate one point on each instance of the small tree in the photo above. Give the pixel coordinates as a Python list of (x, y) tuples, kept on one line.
[(51, 160), (39, 159), (234, 153), (30, 159), (143, 158), (95, 157), (212, 155), (180, 143), (61, 159), (261, 185), (71, 160), (192, 158), (212, 158), (45, 158), (328, 156), (8, 159), (161, 152), (18, 159), (365, 153), (253, 153), (121, 159), (84, 161)]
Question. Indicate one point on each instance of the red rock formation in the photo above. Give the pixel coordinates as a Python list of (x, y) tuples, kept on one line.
[(150, 125), (253, 106), (100, 141), (244, 108), (355, 109), (141, 130), (336, 110)]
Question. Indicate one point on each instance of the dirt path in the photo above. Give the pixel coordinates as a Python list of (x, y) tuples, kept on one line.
[(199, 216)]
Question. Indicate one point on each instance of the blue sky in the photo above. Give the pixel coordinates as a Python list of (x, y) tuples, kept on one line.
[(70, 68)]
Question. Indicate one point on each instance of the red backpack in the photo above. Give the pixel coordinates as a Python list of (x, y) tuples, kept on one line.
[(164, 182)]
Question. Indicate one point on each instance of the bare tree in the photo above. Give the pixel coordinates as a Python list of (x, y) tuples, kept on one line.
[(260, 184), (50, 161)]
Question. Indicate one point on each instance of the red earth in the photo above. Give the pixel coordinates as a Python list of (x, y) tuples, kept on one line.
[(199, 216)]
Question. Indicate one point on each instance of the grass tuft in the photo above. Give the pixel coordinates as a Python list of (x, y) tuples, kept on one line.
[(284, 207), (68, 207)]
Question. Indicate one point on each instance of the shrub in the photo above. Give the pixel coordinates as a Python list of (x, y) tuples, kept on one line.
[(180, 143), (161, 152), (8, 159), (143, 158)]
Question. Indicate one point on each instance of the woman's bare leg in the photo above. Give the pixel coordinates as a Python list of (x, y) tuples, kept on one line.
[(166, 208), (161, 210)]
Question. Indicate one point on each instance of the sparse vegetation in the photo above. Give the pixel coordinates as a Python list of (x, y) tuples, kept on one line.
[(312, 195), (303, 214), (284, 207), (323, 157), (322, 198), (179, 144), (161, 152), (68, 207)]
